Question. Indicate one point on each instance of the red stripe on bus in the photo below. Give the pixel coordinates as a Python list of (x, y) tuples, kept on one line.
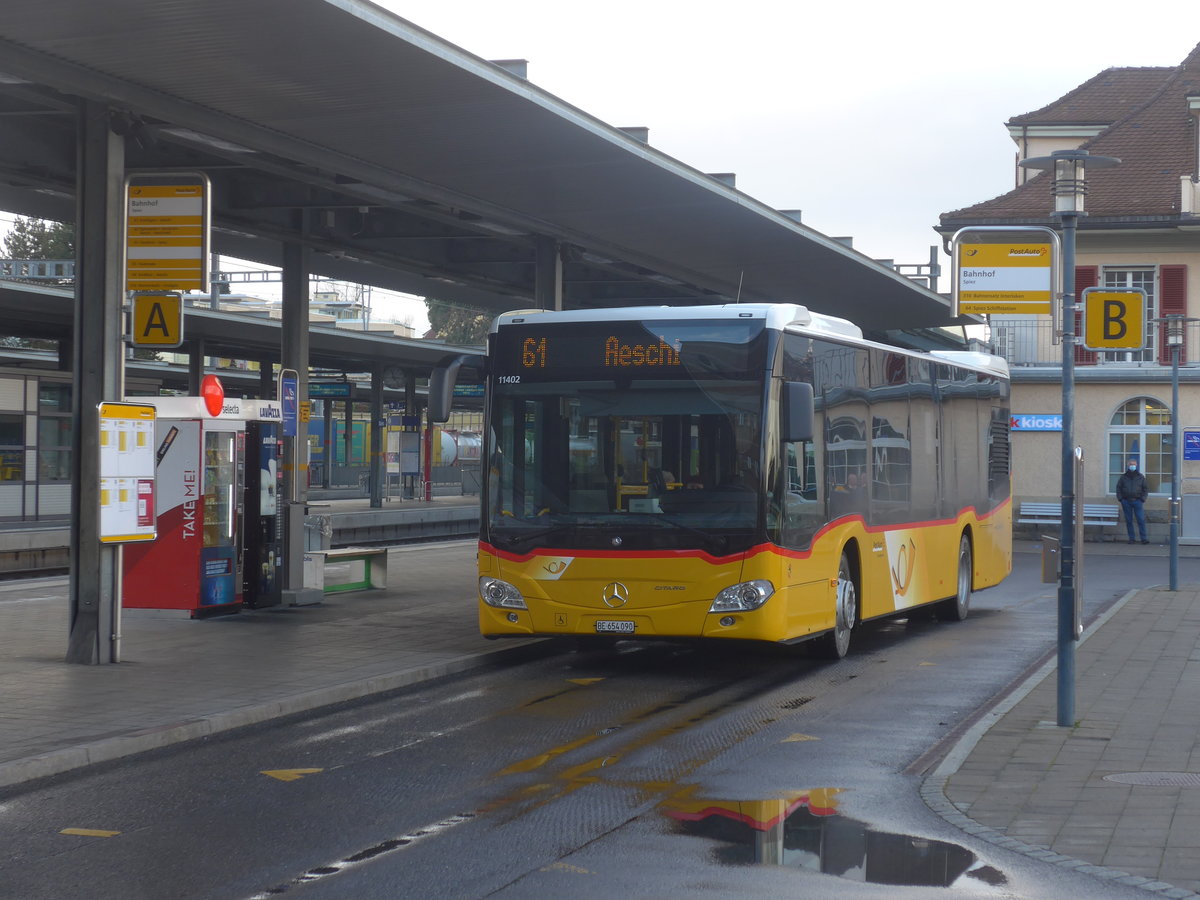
[(734, 557)]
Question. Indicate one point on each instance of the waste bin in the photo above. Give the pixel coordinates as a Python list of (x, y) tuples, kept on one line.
[(318, 532)]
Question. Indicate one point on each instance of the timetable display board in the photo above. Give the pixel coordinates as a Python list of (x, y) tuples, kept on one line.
[(127, 476), (1006, 270), (167, 227)]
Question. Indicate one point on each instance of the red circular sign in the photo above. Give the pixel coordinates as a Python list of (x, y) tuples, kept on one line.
[(213, 394)]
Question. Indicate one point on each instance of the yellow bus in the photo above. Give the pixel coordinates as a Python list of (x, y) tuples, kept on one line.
[(752, 471)]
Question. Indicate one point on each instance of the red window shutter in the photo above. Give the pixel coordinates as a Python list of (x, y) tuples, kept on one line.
[(1172, 301), (1085, 277)]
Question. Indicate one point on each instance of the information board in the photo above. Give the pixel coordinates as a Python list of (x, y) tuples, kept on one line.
[(127, 476), (1004, 270), (167, 218)]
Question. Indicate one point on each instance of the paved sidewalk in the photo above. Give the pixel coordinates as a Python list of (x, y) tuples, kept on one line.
[(181, 678), (1116, 796)]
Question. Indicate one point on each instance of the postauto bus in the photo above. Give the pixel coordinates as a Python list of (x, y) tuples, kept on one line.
[(750, 471)]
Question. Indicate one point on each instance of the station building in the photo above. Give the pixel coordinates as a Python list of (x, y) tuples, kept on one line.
[(1141, 231)]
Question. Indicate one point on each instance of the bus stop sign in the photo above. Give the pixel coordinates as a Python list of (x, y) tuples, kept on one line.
[(1114, 320), (157, 320)]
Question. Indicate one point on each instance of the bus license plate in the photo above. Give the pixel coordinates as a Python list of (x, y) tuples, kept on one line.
[(614, 626)]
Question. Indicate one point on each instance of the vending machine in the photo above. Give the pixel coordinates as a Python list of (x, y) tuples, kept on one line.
[(262, 560), (196, 563)]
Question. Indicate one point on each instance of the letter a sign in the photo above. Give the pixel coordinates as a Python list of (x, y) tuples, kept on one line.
[(1114, 320), (157, 320)]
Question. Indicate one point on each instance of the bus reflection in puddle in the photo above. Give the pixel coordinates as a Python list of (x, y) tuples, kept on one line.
[(804, 830)]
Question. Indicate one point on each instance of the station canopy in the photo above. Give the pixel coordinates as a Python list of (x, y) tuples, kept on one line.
[(404, 162)]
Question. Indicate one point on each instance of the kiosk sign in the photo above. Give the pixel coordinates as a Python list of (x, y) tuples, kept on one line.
[(1005, 271)]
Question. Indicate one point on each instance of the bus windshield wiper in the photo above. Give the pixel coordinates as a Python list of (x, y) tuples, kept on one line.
[(520, 537), (719, 541)]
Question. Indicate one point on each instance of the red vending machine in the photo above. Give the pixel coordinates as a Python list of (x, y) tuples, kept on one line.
[(195, 564)]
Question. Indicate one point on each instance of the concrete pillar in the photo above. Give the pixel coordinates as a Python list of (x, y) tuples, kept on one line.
[(547, 285), (98, 376)]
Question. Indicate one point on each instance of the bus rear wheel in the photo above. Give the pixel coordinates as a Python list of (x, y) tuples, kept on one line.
[(836, 644), (956, 608)]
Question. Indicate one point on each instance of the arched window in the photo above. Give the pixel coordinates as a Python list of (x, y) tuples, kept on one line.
[(1141, 430)]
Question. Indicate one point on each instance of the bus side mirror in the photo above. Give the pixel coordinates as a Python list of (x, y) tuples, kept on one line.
[(797, 412), (441, 386)]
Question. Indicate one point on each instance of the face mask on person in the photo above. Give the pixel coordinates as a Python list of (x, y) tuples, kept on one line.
[(1133, 467)]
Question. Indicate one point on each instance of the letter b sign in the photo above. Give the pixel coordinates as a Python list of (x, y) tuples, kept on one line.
[(1114, 320)]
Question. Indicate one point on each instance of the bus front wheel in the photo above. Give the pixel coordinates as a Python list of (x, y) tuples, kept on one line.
[(836, 643), (956, 608)]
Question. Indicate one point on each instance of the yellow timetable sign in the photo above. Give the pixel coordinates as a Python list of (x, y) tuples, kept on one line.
[(157, 320), (166, 232), (1006, 278)]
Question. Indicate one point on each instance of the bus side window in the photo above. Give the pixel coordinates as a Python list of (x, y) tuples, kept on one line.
[(802, 513)]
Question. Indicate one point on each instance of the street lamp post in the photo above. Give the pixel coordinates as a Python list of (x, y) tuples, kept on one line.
[(1069, 189), (1175, 340), (1175, 325)]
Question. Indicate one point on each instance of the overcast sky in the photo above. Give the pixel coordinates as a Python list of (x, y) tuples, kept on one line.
[(870, 117)]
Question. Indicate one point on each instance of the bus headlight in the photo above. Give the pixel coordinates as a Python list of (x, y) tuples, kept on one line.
[(500, 593), (743, 597)]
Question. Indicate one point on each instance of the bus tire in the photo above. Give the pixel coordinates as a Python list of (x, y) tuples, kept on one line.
[(956, 608), (836, 643)]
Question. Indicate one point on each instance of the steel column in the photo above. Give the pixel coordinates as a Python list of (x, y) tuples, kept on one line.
[(1066, 580), (294, 355), (376, 447)]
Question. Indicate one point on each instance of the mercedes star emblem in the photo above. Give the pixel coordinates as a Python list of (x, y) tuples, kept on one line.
[(615, 595)]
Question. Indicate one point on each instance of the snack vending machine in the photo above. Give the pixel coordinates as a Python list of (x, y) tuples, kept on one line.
[(196, 563)]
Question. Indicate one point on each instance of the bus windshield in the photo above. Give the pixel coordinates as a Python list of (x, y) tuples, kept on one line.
[(643, 456)]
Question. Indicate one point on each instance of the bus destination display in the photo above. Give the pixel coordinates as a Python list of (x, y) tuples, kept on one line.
[(613, 350)]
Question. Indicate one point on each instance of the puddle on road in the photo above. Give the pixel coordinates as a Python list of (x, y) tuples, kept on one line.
[(805, 830)]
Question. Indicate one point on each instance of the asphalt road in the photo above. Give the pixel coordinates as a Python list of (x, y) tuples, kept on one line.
[(587, 774)]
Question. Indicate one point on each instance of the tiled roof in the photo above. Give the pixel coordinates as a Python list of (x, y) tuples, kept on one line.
[(1156, 143), (1101, 100)]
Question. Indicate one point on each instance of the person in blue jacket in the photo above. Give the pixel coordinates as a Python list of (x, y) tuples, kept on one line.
[(1131, 492)]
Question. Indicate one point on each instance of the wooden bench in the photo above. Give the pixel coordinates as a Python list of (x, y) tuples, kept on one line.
[(1051, 514), (374, 564)]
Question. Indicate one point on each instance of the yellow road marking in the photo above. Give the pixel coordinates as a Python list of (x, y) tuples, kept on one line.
[(290, 774), (536, 762), (799, 737), (566, 867), (584, 681), (89, 832)]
